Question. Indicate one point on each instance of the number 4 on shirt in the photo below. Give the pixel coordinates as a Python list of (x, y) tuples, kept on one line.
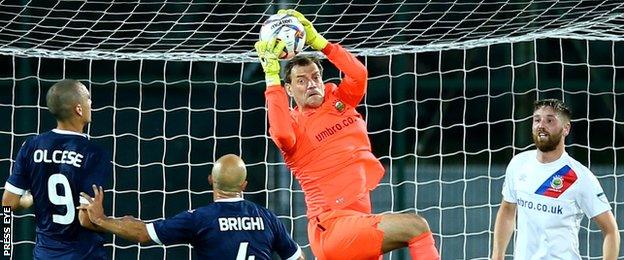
[(242, 252)]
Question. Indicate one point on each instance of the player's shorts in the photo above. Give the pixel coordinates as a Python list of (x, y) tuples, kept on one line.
[(46, 248), (345, 234), (44, 253)]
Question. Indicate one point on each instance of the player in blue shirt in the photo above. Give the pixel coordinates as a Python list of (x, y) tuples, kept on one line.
[(229, 228), (56, 166)]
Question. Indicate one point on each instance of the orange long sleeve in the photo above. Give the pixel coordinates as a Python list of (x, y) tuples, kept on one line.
[(280, 121), (353, 86)]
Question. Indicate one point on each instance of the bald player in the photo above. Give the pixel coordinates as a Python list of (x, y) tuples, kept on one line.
[(229, 228), (325, 144), (56, 166)]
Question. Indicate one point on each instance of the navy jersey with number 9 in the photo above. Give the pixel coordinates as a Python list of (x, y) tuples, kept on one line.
[(56, 166), (227, 229)]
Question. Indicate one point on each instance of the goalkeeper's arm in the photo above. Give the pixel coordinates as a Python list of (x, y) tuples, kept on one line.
[(277, 102), (353, 86)]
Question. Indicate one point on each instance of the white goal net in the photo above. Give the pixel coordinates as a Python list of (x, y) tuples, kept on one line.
[(175, 85)]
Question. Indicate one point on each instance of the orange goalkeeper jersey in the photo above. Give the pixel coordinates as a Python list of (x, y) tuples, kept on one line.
[(327, 148)]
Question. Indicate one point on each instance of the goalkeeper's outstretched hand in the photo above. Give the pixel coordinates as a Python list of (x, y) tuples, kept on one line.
[(313, 38), (268, 53)]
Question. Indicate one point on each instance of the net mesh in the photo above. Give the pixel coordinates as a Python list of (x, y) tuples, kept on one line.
[(227, 31), (451, 85)]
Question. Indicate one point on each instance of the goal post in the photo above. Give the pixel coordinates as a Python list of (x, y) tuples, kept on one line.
[(449, 102)]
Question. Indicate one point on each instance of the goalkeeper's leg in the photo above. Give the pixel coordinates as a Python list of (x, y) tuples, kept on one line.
[(411, 230), (347, 234)]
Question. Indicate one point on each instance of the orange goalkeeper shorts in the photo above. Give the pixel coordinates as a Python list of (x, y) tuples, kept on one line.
[(345, 234)]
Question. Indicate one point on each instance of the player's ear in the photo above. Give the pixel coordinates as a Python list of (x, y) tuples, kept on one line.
[(210, 179), (243, 185), (78, 109), (566, 129), (288, 88)]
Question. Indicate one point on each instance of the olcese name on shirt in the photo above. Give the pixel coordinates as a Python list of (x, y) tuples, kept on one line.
[(58, 156)]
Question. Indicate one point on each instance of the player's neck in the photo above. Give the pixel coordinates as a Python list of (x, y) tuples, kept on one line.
[(70, 126), (551, 156), (219, 195), (306, 110)]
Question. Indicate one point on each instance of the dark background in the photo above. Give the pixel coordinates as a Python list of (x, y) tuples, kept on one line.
[(444, 122)]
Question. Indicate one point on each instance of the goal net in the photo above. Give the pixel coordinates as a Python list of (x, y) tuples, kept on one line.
[(175, 85)]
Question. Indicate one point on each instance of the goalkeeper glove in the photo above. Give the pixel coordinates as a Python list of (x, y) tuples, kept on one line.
[(268, 53), (313, 38)]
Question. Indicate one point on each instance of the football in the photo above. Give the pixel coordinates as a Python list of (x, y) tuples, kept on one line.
[(285, 28)]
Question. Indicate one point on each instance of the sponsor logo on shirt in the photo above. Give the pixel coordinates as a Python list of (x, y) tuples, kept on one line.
[(335, 128), (557, 183), (542, 207)]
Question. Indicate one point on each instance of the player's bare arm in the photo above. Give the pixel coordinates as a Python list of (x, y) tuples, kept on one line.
[(127, 227), (15, 201), (83, 218), (503, 228), (610, 233)]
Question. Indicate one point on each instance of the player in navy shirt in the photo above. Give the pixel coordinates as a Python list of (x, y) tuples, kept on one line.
[(229, 228), (56, 166)]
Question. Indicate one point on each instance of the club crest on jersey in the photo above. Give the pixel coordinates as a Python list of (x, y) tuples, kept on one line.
[(339, 106), (557, 182)]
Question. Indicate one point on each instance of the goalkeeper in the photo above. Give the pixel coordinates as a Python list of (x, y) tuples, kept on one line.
[(325, 143)]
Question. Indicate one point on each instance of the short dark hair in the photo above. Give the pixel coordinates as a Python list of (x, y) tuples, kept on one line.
[(555, 104), (301, 60), (62, 97)]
